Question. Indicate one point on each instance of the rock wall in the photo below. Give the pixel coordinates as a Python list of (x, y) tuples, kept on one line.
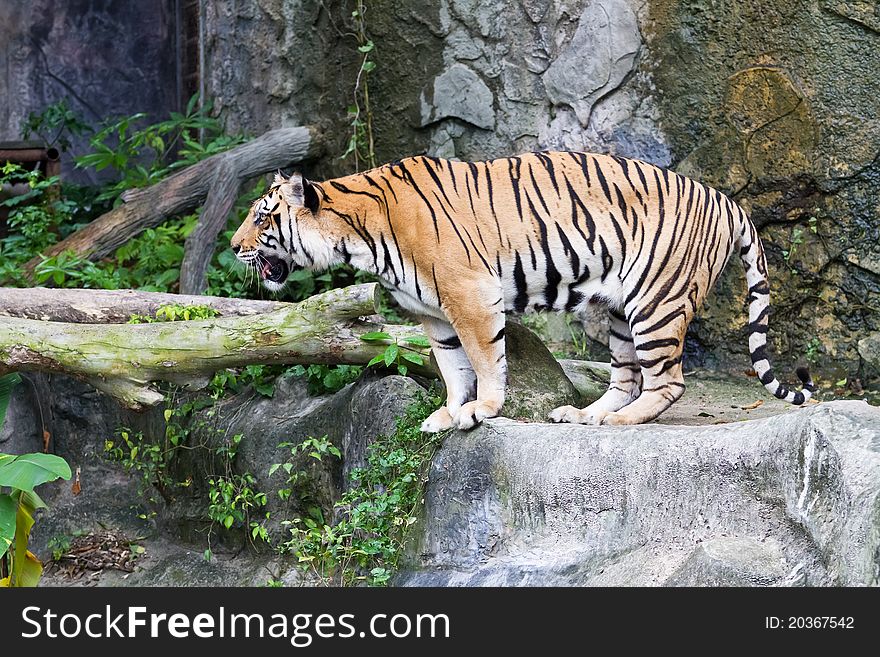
[(774, 102), (105, 58), (789, 500)]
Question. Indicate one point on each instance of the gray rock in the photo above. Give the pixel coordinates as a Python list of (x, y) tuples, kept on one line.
[(21, 431), (460, 93), (731, 561), (351, 419), (536, 382), (529, 504), (597, 59), (869, 350), (589, 378)]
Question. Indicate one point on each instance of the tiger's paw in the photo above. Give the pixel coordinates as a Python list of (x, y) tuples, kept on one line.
[(570, 414), (439, 420), (615, 419), (474, 412), (576, 415)]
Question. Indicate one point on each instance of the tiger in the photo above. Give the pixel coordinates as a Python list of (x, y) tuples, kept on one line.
[(460, 244)]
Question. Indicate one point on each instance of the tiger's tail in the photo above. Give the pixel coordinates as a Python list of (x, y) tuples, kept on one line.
[(751, 253)]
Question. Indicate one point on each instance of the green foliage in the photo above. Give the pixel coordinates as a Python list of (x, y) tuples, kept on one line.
[(150, 460), (399, 353), (56, 125), (360, 113), (7, 383), (260, 377), (813, 351), (142, 155), (374, 517), (233, 497), (19, 476), (323, 379), (298, 481), (175, 312), (59, 546)]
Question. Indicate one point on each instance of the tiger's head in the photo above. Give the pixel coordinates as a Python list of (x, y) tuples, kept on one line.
[(284, 230)]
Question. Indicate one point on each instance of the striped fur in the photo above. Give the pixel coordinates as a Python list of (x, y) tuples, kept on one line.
[(459, 244)]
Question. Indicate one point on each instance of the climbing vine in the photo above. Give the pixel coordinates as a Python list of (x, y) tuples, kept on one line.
[(360, 113)]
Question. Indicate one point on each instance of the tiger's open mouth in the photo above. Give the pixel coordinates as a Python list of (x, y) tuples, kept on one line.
[(273, 269)]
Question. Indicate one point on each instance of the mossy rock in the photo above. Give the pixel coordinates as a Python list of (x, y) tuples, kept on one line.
[(536, 382)]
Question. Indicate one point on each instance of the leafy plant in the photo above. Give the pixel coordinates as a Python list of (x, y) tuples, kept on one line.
[(360, 113), (399, 353), (175, 312), (374, 517), (56, 125), (141, 156), (297, 480), (19, 476), (59, 546), (233, 497), (323, 379)]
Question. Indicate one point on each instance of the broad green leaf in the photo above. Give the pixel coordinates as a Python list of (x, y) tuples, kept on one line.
[(28, 471), (418, 341), (391, 354), (375, 336), (8, 507), (32, 501), (418, 359)]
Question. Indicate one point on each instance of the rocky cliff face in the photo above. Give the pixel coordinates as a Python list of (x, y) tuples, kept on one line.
[(745, 495), (777, 501), (773, 102)]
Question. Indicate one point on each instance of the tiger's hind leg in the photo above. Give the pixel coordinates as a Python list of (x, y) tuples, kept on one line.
[(659, 348), (626, 378), (455, 368)]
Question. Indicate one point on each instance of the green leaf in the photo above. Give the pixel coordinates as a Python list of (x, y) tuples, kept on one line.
[(376, 336), (28, 471), (391, 354), (376, 359), (418, 341), (8, 508), (7, 383), (417, 359), (31, 501)]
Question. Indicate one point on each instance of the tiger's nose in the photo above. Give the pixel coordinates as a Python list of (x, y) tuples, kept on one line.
[(236, 248)]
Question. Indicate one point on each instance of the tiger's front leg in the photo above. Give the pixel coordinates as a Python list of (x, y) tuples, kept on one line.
[(455, 368), (478, 320)]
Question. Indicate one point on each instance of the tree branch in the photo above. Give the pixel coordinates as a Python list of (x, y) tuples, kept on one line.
[(124, 359), (220, 175)]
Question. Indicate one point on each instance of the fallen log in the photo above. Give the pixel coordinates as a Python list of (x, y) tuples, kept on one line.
[(113, 306), (124, 360), (217, 179)]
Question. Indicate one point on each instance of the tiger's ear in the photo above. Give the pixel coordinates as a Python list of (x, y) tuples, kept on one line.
[(279, 178), (299, 192)]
